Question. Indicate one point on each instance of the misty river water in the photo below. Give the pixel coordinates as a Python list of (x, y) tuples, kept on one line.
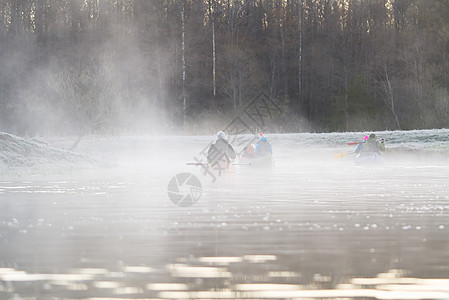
[(312, 226)]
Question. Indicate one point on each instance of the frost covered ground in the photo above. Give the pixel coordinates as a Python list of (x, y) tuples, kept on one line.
[(310, 227), (17, 152)]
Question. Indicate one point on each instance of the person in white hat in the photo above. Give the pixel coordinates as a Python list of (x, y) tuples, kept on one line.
[(221, 152)]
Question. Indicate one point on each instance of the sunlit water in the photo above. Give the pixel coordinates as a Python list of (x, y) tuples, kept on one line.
[(310, 227)]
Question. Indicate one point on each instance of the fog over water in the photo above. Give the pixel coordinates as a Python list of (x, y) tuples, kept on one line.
[(105, 93), (312, 226)]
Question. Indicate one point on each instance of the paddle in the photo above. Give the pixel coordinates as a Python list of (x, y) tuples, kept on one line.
[(204, 164), (356, 143), (341, 155)]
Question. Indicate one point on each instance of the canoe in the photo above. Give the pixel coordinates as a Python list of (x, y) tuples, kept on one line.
[(261, 161)]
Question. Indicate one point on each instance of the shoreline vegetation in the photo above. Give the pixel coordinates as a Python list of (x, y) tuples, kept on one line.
[(107, 67)]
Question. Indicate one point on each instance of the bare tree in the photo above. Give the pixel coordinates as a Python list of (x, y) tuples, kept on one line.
[(386, 80), (300, 54), (211, 11), (85, 92), (183, 60)]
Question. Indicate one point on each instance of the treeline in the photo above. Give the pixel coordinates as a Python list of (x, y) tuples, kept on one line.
[(104, 66)]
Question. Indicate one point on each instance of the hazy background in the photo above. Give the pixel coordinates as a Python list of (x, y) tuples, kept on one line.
[(75, 67)]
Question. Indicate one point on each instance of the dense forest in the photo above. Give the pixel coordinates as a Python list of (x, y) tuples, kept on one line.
[(190, 66)]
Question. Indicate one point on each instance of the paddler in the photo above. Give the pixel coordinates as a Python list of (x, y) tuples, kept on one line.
[(263, 147), (360, 145), (221, 152), (372, 146), (248, 151)]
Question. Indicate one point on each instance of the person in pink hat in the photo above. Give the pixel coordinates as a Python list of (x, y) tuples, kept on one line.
[(360, 145)]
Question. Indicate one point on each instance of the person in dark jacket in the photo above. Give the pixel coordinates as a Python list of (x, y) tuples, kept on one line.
[(372, 146), (221, 152), (263, 147)]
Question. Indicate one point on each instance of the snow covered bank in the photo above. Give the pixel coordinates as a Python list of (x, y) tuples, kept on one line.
[(19, 152), (139, 156)]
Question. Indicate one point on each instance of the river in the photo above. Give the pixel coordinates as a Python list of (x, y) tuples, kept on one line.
[(312, 226)]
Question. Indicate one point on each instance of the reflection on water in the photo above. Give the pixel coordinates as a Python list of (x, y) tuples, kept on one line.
[(287, 233), (391, 285)]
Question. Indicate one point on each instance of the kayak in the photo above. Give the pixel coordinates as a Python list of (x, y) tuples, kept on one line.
[(372, 159)]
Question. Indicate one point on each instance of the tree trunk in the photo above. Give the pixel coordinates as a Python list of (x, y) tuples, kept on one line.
[(389, 91), (273, 76), (213, 60), (212, 20), (234, 88), (300, 80), (284, 64), (347, 117), (184, 97), (418, 67), (77, 142)]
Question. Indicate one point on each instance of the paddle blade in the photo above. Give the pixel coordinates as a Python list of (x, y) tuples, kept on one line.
[(339, 155), (352, 144), (242, 164)]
